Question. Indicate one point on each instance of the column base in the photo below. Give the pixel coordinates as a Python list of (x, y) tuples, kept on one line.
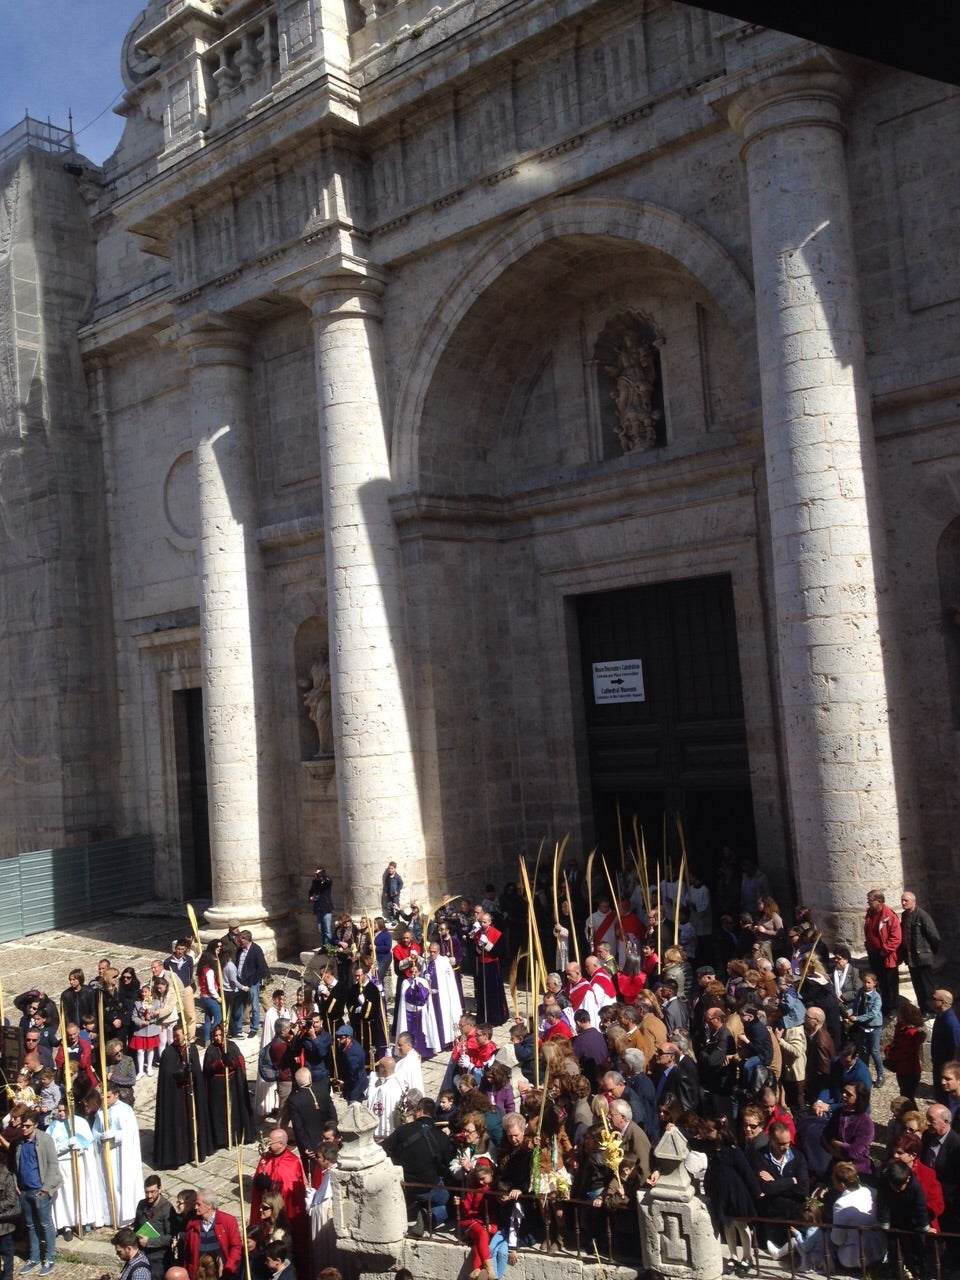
[(273, 928)]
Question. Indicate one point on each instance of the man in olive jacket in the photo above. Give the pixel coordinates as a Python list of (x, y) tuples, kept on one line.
[(919, 943)]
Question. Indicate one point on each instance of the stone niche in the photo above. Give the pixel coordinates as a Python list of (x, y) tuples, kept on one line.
[(630, 384), (315, 715)]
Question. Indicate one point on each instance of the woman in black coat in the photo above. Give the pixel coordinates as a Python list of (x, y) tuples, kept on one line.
[(732, 1190), (223, 1068)]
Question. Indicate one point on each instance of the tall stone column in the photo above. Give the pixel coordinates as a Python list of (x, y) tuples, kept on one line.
[(242, 780), (378, 796), (825, 516)]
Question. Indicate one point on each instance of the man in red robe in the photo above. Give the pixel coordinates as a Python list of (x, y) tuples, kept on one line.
[(491, 1000), (602, 925), (279, 1169), (402, 951), (577, 985), (600, 992)]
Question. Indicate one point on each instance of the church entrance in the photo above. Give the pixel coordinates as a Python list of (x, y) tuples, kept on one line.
[(192, 793), (664, 718)]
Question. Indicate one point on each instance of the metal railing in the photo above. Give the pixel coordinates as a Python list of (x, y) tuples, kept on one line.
[(902, 1246), (35, 133), (568, 1237)]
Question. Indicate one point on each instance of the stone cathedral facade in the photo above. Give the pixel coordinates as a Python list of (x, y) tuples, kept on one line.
[(444, 426)]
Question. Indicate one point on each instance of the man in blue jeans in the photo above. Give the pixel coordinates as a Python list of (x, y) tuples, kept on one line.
[(252, 968), (38, 1178)]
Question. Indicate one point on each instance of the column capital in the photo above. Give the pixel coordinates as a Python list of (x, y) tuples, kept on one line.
[(789, 102), (211, 338), (339, 286), (809, 86)]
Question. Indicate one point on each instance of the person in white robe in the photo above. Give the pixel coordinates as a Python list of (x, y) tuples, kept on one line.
[(447, 1003), (384, 1094), (65, 1215), (265, 1091), (415, 1012), (323, 1239), (121, 1145), (409, 1070)]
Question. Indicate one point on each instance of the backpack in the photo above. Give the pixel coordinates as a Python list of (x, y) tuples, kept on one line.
[(265, 1065)]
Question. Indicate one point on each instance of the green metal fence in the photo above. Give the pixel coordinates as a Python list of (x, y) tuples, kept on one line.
[(56, 888)]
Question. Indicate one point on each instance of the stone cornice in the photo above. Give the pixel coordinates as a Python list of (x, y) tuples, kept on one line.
[(786, 60), (239, 153), (719, 472)]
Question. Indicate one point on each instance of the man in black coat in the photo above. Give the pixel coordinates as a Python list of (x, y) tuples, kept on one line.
[(678, 1075), (252, 969), (156, 1210), (941, 1153), (310, 1109), (321, 903), (919, 943), (424, 1153), (717, 1064), (181, 1102), (784, 1180)]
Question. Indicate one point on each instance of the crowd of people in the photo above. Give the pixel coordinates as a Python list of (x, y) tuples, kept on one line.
[(688, 1009), (750, 1037)]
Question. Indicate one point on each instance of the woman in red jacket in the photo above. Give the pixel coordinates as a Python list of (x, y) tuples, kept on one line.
[(907, 1149), (903, 1051)]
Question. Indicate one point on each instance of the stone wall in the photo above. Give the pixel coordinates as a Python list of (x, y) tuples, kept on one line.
[(57, 679), (396, 250)]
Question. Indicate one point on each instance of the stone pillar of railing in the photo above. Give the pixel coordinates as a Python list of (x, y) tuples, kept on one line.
[(825, 514), (249, 877), (369, 671), (677, 1236)]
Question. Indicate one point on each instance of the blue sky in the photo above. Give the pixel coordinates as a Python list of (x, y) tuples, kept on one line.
[(63, 54)]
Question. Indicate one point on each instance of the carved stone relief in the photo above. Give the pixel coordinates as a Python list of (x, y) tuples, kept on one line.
[(627, 361), (312, 665)]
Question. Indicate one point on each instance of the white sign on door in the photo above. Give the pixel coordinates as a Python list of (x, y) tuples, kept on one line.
[(618, 681)]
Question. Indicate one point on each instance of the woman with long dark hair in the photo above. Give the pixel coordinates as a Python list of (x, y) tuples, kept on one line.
[(208, 988)]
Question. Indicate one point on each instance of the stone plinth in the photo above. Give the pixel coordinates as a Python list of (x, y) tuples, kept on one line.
[(369, 1211), (676, 1232)]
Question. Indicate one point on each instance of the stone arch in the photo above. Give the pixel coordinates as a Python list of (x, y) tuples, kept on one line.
[(634, 224)]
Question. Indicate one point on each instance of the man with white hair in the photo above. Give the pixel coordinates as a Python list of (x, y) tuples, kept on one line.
[(601, 991), (212, 1231), (919, 943), (278, 1169), (634, 1141)]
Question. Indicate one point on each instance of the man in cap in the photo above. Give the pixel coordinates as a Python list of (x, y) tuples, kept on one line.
[(230, 942), (701, 1002), (352, 1063)]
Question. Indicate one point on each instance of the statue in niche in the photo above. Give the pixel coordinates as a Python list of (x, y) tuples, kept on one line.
[(627, 353), (318, 702)]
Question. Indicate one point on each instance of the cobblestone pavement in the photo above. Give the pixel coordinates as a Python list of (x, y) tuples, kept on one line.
[(136, 938)]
